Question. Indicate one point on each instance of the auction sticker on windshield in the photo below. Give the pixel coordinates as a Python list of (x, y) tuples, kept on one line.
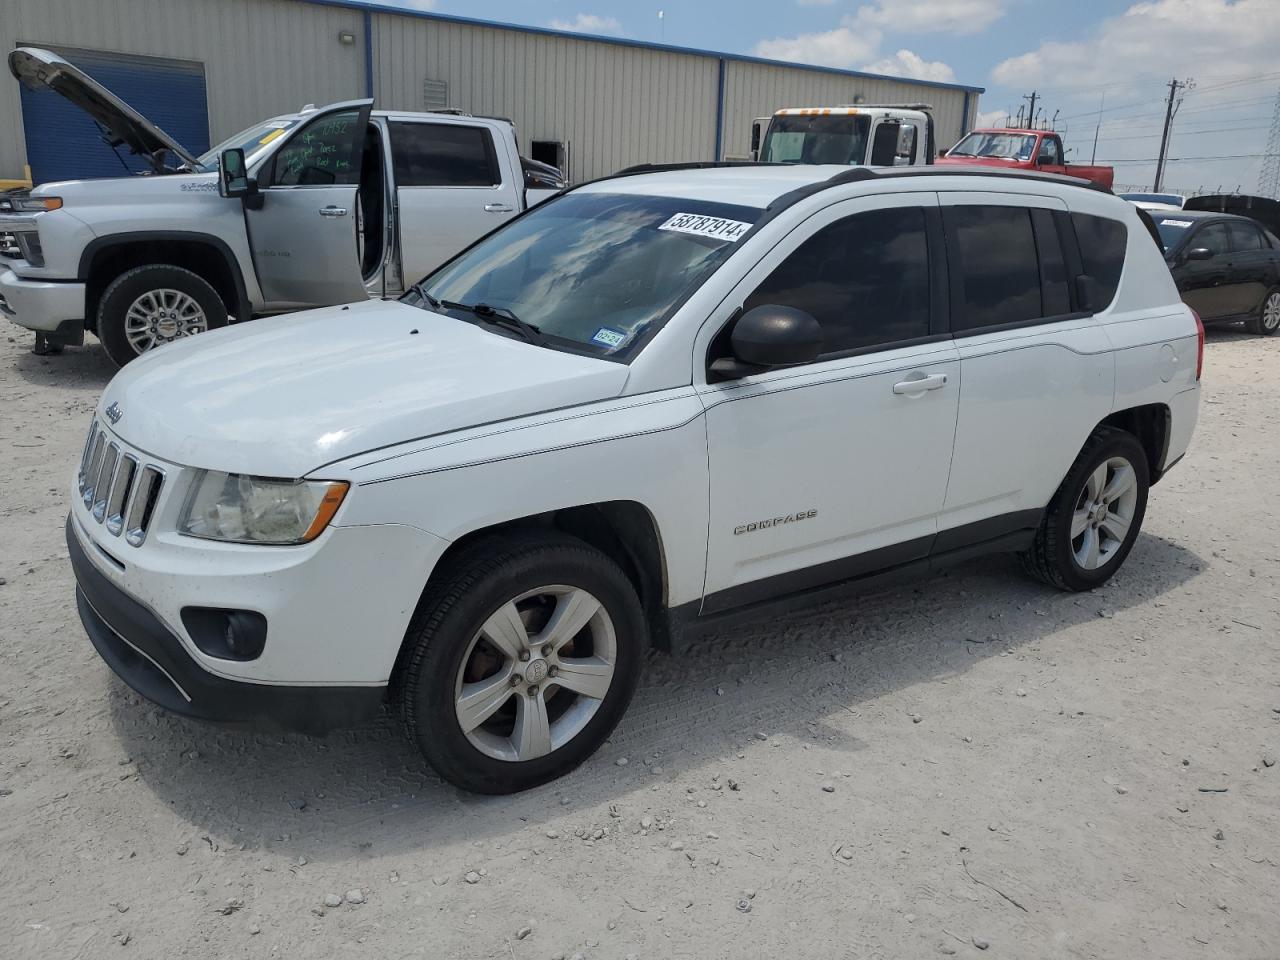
[(698, 225)]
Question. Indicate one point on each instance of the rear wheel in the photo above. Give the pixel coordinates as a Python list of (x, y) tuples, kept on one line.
[(1267, 320), (1094, 518), (523, 656), (149, 306)]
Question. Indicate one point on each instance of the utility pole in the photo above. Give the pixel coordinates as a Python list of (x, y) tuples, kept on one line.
[(1176, 93), (1031, 110), (1098, 127)]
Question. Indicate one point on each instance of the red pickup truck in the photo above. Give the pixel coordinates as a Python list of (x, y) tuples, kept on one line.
[(1015, 149)]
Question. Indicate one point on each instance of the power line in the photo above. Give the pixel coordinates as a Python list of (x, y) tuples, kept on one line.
[(1238, 156)]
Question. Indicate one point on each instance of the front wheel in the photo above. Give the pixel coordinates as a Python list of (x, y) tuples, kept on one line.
[(1267, 320), (149, 306), (1094, 518), (521, 659)]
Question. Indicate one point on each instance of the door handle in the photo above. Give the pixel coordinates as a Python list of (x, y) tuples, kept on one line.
[(920, 384), (332, 211), (498, 208)]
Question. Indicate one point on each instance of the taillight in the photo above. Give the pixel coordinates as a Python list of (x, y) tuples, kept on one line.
[(1199, 344)]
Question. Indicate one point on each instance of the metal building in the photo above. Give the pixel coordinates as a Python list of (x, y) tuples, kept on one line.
[(203, 69)]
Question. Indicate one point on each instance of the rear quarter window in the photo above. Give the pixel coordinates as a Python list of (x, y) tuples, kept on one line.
[(1102, 246)]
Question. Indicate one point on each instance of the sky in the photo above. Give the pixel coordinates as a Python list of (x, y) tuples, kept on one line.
[(1102, 66)]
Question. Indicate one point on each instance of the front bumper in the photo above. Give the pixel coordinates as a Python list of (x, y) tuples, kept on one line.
[(154, 662), (41, 305)]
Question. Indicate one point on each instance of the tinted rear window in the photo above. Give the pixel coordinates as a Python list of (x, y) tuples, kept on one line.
[(999, 274), (443, 155), (1102, 245)]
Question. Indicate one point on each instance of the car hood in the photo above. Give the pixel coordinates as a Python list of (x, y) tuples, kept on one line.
[(283, 396), (38, 69)]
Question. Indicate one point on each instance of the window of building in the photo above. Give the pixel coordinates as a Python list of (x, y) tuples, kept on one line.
[(865, 278)]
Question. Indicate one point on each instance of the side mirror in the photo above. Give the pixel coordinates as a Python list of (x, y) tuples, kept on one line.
[(755, 140), (1200, 253), (770, 336), (233, 177)]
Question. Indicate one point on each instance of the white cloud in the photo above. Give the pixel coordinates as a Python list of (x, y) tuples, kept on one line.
[(844, 46), (1228, 46), (904, 63), (416, 4), (918, 16), (990, 118), (1162, 37), (588, 23)]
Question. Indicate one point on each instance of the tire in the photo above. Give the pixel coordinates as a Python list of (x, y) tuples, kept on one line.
[(177, 302), (1266, 321), (450, 644), (1068, 563)]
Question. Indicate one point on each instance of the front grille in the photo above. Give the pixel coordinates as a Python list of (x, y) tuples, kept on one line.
[(118, 490)]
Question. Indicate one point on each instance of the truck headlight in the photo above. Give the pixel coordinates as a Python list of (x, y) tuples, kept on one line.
[(243, 509), (35, 204)]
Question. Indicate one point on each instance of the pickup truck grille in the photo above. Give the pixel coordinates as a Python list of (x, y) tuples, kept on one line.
[(117, 488)]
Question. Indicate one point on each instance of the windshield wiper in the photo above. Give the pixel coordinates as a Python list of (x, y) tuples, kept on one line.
[(420, 288), (499, 317)]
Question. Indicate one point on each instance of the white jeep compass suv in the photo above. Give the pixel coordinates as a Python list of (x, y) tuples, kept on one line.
[(656, 401)]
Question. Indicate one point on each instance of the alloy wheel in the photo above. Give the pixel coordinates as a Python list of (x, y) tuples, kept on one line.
[(535, 673), (1104, 513), (161, 316), (1271, 312)]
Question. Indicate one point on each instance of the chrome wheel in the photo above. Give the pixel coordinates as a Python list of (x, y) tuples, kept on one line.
[(535, 673), (1104, 513), (1271, 312), (160, 316)]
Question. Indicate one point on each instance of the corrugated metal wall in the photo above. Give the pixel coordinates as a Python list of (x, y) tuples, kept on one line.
[(261, 57), (756, 90), (613, 105)]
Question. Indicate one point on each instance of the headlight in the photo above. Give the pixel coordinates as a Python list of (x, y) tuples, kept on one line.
[(241, 509), (35, 204)]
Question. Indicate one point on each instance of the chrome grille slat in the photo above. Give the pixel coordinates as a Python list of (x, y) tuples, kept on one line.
[(106, 477), (118, 489), (121, 487)]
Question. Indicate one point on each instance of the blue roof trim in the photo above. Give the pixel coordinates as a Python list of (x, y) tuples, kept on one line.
[(367, 7)]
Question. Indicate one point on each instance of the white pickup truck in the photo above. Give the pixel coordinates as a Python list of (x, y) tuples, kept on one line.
[(883, 135), (328, 206)]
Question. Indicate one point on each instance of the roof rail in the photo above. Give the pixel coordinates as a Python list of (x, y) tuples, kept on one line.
[(638, 168)]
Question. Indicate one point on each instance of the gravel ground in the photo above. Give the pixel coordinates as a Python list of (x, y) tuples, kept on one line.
[(968, 764)]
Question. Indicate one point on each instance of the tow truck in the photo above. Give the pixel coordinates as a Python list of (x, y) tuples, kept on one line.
[(882, 135)]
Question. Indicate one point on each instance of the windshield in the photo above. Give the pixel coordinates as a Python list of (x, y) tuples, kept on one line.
[(250, 141), (598, 273), (829, 139), (1172, 199), (1005, 146), (1172, 230)]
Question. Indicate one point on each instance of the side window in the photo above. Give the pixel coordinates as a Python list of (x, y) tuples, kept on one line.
[(1102, 245), (443, 155), (324, 152), (1055, 289), (1050, 151), (865, 278), (1213, 237), (1245, 236), (993, 250)]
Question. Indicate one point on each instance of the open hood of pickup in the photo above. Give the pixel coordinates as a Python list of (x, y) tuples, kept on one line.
[(38, 69)]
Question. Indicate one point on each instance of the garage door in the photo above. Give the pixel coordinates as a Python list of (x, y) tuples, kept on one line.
[(63, 143)]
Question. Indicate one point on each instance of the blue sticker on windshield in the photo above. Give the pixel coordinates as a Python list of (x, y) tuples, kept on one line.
[(610, 338)]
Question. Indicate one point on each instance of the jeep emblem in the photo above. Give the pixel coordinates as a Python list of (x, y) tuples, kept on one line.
[(114, 413)]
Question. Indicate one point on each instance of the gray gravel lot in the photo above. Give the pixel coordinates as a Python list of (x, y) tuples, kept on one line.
[(1014, 772)]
